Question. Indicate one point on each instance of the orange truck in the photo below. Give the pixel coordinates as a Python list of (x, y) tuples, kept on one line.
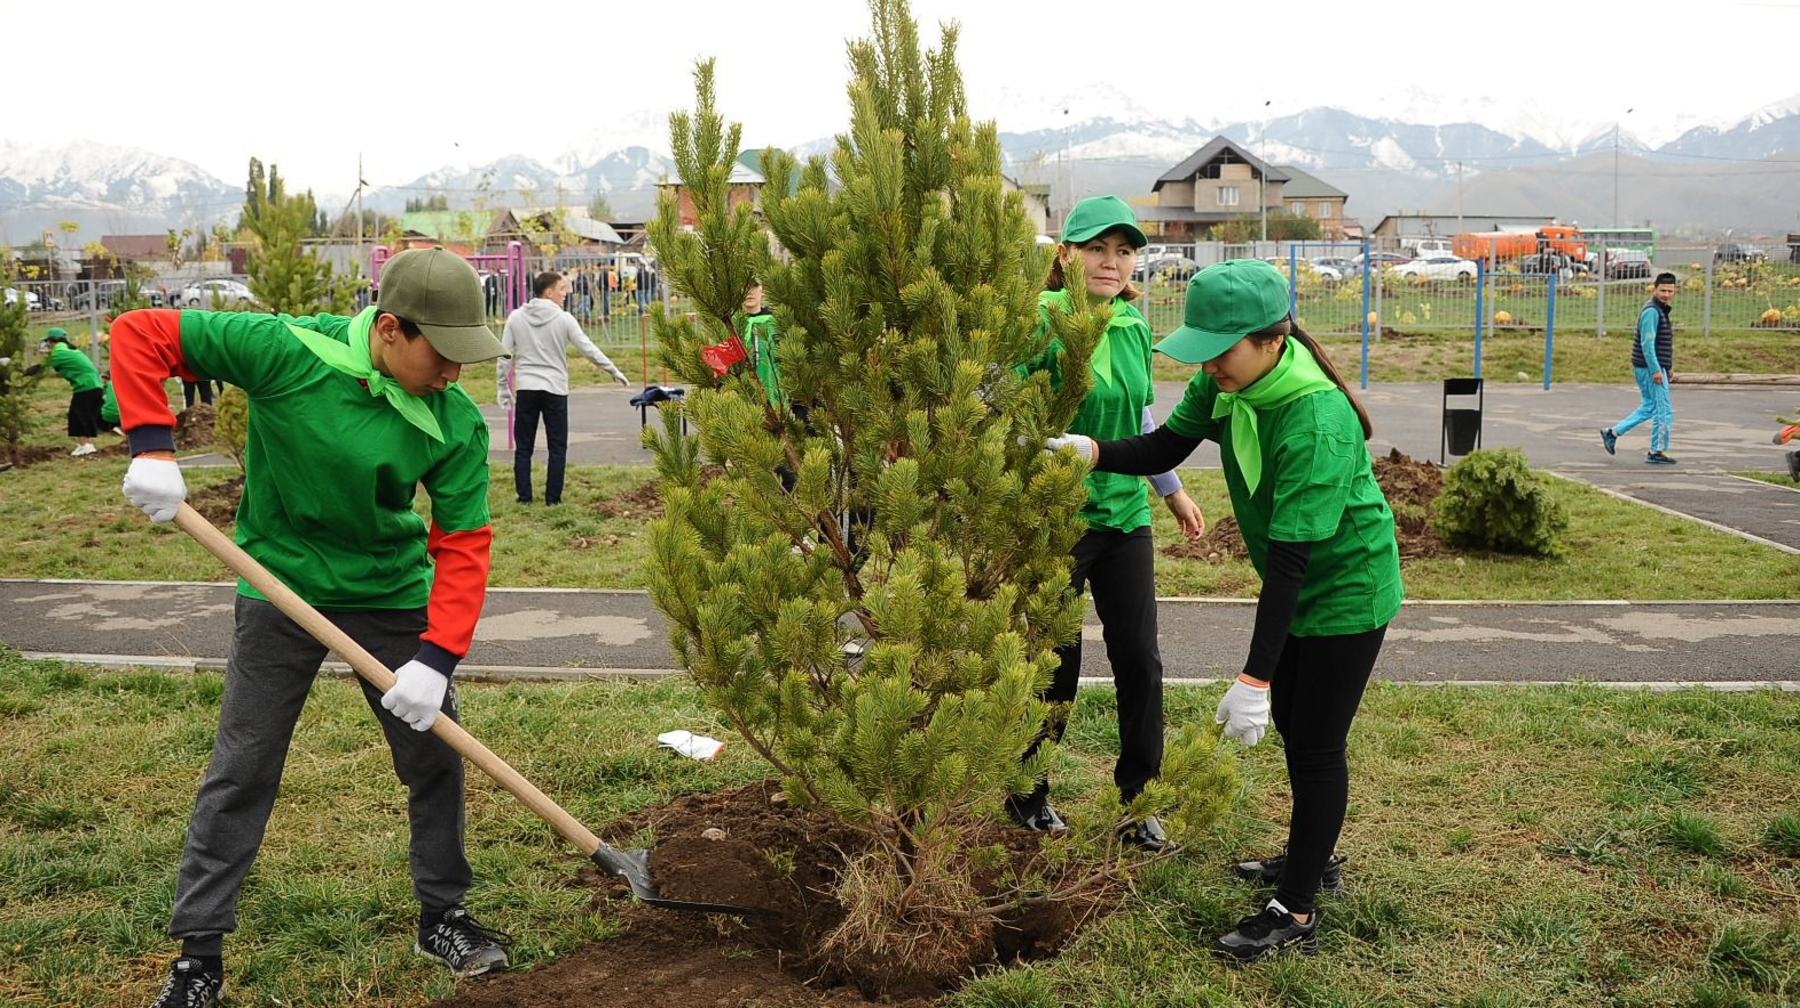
[(1505, 245)]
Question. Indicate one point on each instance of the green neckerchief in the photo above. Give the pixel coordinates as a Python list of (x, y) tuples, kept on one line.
[(352, 358), (1295, 375), (1101, 360)]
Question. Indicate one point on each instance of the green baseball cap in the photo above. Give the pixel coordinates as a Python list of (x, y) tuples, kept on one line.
[(438, 291), (55, 333), (1226, 302), (1097, 215)]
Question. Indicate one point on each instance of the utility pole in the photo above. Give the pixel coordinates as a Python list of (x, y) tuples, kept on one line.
[(359, 208), (1459, 203), (1262, 176)]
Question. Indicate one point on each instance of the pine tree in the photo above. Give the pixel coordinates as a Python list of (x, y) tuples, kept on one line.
[(283, 276), (16, 386), (869, 587)]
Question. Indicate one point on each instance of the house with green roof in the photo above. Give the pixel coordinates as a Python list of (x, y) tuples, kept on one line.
[(1308, 196)]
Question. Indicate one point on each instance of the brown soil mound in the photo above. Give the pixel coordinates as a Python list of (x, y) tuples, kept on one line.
[(35, 454), (194, 427), (783, 863), (1409, 485), (642, 501)]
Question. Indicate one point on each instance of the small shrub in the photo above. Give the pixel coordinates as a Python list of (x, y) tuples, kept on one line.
[(231, 424), (1693, 833), (1493, 500), (1782, 835)]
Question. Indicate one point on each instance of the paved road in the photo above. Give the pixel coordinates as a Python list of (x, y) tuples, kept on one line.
[(562, 632)]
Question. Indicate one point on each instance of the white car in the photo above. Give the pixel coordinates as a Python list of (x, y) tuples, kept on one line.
[(229, 293), (32, 301), (1439, 267)]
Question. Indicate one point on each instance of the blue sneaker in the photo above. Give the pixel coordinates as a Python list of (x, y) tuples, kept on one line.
[(1609, 441), (1658, 458)]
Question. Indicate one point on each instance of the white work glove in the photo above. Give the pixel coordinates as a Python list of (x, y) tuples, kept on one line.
[(417, 694), (1244, 711), (155, 485), (1083, 445), (504, 399), (619, 376)]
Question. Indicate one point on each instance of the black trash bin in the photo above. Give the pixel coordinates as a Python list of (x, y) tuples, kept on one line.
[(1462, 424)]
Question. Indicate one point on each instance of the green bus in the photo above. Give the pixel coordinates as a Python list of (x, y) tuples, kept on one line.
[(1637, 239)]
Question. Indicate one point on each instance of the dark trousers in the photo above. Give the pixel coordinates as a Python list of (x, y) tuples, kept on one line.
[(1313, 697), (272, 665), (1119, 570), (528, 405), (190, 388), (84, 412)]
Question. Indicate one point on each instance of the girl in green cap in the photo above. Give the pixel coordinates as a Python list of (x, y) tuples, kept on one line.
[(84, 385), (1115, 559), (1318, 530)]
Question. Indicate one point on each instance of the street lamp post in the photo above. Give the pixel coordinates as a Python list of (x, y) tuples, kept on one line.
[(1262, 175)]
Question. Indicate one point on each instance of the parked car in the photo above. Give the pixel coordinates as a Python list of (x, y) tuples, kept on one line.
[(1628, 265), (206, 293), (1382, 260), (1344, 266), (1328, 274), (32, 301), (97, 295), (1731, 253), (1439, 268), (1546, 263), (1176, 268)]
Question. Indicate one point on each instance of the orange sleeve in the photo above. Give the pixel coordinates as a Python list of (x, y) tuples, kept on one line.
[(458, 589)]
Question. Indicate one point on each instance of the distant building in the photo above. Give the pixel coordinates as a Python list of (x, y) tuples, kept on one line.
[(1217, 183), (743, 185), (1307, 196), (1396, 230)]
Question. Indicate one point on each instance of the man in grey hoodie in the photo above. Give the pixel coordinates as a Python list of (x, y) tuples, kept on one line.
[(536, 378)]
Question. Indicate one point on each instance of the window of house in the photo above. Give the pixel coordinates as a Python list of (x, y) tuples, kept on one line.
[(1297, 209), (1324, 209), (1228, 195)]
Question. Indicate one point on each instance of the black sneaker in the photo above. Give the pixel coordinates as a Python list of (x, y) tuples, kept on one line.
[(1268, 872), (1609, 440), (1147, 835), (1658, 458), (1793, 460), (469, 949), (190, 985), (1270, 931), (1034, 814)]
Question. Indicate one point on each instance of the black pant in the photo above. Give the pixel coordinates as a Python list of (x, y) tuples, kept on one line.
[(1119, 569), (188, 388), (84, 412), (1313, 697), (529, 404)]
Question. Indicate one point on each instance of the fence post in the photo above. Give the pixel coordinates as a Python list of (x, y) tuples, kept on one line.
[(1600, 320), (1549, 331), (1706, 316), (1480, 285), (1365, 316)]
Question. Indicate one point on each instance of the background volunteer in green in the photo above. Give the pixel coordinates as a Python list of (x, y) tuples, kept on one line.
[(84, 388), (1115, 559), (1318, 530), (347, 418)]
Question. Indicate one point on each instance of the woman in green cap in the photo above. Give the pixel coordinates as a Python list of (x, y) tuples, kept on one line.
[(1115, 560), (1318, 530)]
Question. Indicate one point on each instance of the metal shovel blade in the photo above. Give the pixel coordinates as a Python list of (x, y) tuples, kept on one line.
[(634, 867)]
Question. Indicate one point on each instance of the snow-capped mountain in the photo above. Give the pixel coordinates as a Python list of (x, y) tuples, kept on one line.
[(1769, 130), (102, 187)]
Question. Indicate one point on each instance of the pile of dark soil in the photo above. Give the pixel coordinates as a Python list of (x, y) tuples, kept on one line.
[(1409, 485), (194, 428), (643, 501), (748, 847), (218, 503)]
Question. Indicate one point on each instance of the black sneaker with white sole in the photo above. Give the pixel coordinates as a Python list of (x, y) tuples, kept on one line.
[(190, 985), (454, 939), (1270, 931), (1034, 813), (1268, 872)]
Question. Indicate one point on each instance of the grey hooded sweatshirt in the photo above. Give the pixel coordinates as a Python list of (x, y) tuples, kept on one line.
[(537, 335)]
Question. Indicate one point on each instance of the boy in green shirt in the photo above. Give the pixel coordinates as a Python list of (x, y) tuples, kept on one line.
[(348, 416)]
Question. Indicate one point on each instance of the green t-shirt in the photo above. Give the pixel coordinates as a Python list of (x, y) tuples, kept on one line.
[(331, 471), (109, 407), (759, 339), (1114, 408), (1317, 487), (74, 366)]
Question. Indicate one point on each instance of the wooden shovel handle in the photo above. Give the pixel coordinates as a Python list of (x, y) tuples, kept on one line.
[(378, 675)]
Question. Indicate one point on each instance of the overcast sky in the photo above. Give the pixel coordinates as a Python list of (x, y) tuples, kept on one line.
[(417, 86)]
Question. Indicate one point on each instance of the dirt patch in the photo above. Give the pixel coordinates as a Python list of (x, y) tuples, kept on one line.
[(1409, 485), (34, 454), (194, 427), (218, 503), (643, 502), (748, 847)]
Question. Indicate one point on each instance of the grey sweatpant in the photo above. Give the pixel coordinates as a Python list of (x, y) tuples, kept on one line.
[(271, 668)]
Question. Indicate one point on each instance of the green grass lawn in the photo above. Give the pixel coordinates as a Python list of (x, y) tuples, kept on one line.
[(69, 521), (1778, 478), (1531, 846)]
